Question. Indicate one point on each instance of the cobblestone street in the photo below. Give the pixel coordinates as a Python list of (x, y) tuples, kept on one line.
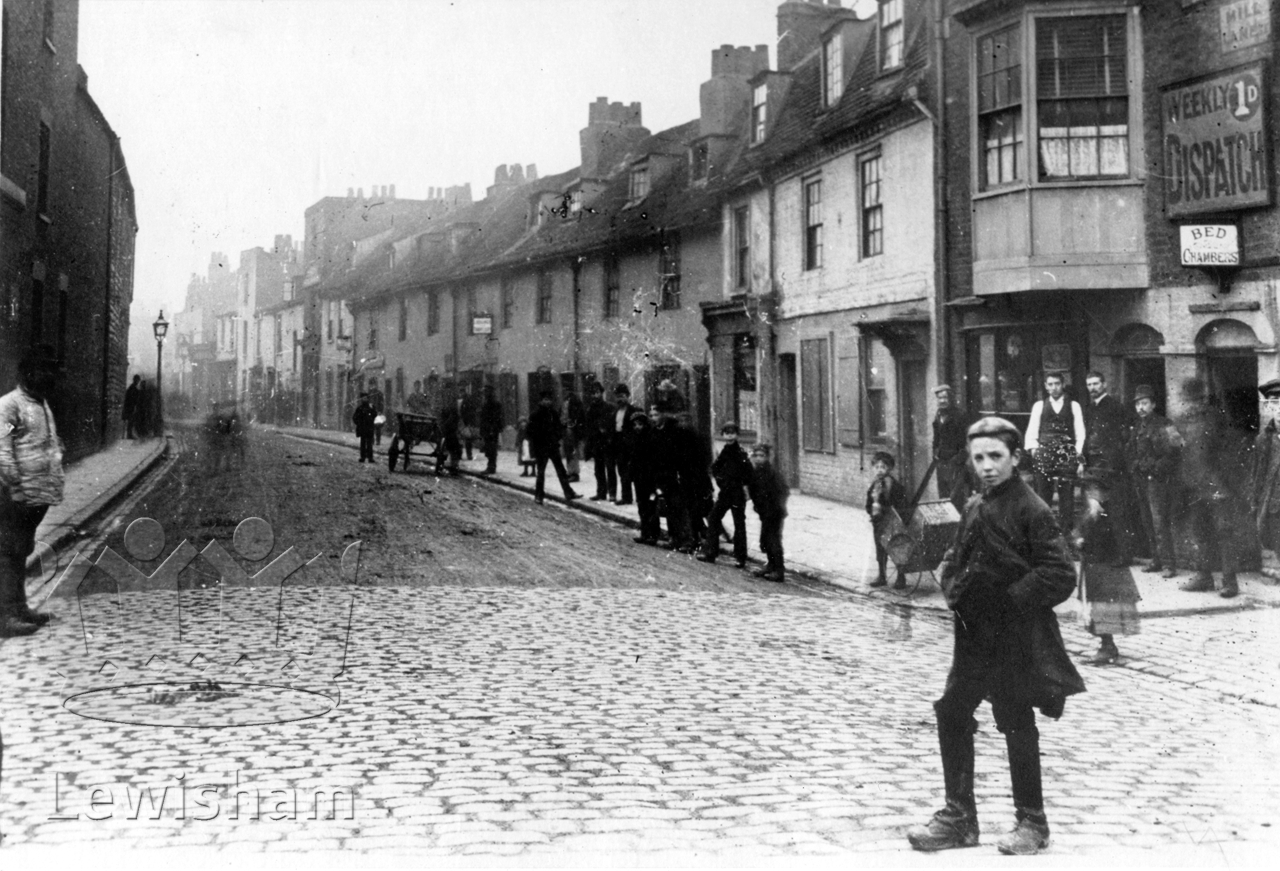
[(675, 713)]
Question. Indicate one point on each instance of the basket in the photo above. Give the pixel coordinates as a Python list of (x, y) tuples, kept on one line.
[(919, 545)]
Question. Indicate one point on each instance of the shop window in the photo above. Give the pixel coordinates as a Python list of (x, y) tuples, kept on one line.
[(815, 398), (878, 363)]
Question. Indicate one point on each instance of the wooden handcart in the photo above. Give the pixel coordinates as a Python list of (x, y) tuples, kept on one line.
[(916, 545), (413, 431)]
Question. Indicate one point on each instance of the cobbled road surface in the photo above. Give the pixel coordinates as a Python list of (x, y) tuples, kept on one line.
[(505, 679)]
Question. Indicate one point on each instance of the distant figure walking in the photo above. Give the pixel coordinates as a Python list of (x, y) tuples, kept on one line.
[(363, 418), (545, 431), (130, 412), (491, 425)]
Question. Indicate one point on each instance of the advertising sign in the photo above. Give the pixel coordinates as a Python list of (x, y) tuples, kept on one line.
[(1210, 244), (481, 325), (1243, 23), (1215, 143)]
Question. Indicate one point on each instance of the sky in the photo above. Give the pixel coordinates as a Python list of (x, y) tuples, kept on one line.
[(235, 115)]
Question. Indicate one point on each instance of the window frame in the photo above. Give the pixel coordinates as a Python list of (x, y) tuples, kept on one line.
[(1018, 109), (508, 299), (811, 208), (543, 311), (870, 215), (669, 272), (638, 184), (611, 283), (832, 70), (741, 228), (890, 35), (1026, 22), (759, 112), (433, 312)]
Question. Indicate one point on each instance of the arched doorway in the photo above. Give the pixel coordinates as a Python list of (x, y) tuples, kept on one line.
[(1138, 347), (1227, 350)]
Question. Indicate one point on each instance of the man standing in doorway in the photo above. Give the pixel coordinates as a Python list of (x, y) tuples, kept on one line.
[(1002, 577), (1106, 479), (1055, 439), (1154, 454), (949, 451)]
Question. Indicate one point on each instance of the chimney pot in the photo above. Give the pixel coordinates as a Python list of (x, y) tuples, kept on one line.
[(531, 172), (360, 193), (393, 192), (351, 192)]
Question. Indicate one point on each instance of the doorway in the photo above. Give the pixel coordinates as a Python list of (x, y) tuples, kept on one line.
[(1148, 371), (788, 456), (912, 403), (1233, 386)]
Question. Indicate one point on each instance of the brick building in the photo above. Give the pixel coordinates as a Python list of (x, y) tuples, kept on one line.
[(67, 222), (824, 338)]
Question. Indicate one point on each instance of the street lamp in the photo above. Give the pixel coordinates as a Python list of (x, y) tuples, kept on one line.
[(160, 328)]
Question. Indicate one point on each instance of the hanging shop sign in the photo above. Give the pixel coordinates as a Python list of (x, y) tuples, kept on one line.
[(1215, 143), (481, 325), (1214, 245)]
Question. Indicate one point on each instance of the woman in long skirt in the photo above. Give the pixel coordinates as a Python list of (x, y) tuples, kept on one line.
[(1107, 591)]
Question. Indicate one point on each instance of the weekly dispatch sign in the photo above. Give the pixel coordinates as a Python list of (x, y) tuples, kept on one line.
[(1215, 143)]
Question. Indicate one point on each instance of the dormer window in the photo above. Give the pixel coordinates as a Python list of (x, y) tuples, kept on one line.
[(832, 72), (759, 113), (891, 34), (639, 182)]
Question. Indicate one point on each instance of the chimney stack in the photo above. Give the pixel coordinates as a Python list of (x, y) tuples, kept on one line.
[(725, 98), (612, 130), (359, 193), (800, 26), (531, 172), (392, 194), (351, 192)]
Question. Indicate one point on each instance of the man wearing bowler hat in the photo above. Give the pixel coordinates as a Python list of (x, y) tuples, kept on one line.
[(1154, 453)]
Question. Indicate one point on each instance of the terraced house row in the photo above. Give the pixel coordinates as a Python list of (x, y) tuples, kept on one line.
[(973, 192)]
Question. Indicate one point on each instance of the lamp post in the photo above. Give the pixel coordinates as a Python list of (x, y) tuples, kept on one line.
[(160, 328)]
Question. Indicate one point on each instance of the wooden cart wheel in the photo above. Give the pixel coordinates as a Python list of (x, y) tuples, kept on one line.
[(393, 454)]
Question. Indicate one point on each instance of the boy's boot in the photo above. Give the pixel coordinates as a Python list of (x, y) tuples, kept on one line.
[(880, 580), (1031, 833), (956, 825), (901, 582), (1230, 587)]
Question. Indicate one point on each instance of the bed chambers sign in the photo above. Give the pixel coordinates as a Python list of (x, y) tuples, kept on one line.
[(1215, 143)]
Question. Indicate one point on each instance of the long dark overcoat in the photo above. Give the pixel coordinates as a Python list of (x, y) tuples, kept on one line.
[(1002, 577)]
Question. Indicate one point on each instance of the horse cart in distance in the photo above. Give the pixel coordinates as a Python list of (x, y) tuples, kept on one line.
[(413, 431)]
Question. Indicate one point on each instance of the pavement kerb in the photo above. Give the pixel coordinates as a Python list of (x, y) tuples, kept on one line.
[(881, 596), (69, 528)]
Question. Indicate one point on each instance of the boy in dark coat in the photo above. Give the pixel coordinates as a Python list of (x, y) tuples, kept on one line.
[(544, 432), (1153, 454), (362, 418), (769, 494), (732, 471), (1002, 577), (886, 492)]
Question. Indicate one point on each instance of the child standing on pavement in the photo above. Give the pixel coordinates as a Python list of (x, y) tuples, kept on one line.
[(885, 493), (523, 452), (769, 493)]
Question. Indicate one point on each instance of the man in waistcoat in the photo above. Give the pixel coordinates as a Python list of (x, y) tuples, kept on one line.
[(1055, 439)]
